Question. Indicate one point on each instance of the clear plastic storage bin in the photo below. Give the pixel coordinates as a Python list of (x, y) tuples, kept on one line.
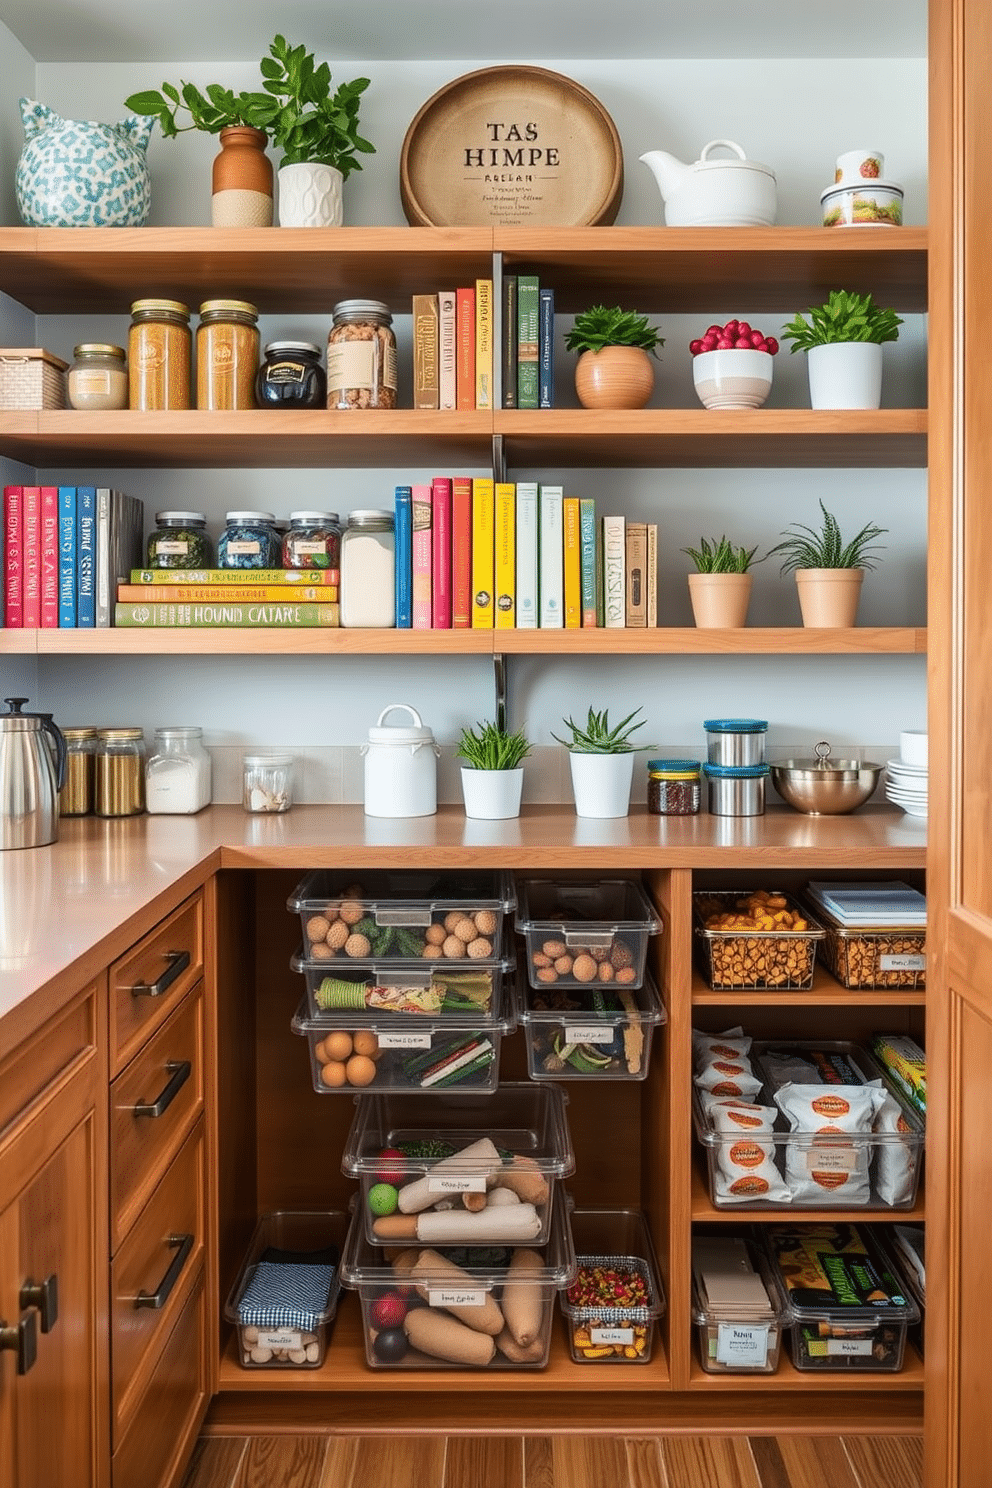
[(469, 1170), (760, 958), (746, 1341), (285, 1323), (457, 1308), (615, 1261), (585, 934), (597, 1033)]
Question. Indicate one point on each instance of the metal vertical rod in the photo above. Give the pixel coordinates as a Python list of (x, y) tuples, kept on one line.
[(499, 679)]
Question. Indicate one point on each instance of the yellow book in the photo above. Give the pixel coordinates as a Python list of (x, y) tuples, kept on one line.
[(483, 552), (572, 543), (506, 555), (483, 343)]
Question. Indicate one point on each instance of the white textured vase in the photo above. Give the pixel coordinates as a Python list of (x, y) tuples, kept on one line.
[(845, 374), (310, 195)]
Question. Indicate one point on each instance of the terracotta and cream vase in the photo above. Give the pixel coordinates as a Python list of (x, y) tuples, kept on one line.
[(615, 377), (828, 597), (720, 600), (242, 179)]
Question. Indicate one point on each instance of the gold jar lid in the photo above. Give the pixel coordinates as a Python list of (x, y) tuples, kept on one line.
[(98, 348), (228, 307), (79, 733), (118, 734), (160, 307)]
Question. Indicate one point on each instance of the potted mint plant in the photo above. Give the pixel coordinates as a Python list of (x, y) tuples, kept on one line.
[(615, 347), (601, 760), (493, 774), (720, 589), (843, 341), (829, 570)]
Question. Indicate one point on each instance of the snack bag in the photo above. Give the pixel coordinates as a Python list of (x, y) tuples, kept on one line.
[(895, 1163), (829, 1171), (728, 1077), (745, 1159)]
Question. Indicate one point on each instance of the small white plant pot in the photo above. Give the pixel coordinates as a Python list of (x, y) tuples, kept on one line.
[(601, 783), (845, 374), (310, 195), (492, 795)]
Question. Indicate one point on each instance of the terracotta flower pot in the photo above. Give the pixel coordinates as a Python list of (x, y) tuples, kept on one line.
[(828, 597), (720, 600), (616, 377), (242, 180)]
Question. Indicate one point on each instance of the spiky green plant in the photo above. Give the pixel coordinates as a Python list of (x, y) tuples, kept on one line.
[(488, 747), (715, 557), (596, 736), (805, 548), (844, 317), (602, 326)]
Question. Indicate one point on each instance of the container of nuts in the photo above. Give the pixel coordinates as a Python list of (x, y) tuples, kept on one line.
[(755, 940), (361, 356), (613, 1304), (585, 934)]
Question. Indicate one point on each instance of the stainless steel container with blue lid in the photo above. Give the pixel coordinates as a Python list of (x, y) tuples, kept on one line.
[(735, 741), (736, 790)]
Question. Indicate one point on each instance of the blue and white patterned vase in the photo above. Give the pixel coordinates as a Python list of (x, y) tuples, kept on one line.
[(74, 173)]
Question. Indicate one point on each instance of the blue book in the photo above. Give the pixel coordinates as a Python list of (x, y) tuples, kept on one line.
[(86, 557), (404, 557), (67, 557), (546, 349)]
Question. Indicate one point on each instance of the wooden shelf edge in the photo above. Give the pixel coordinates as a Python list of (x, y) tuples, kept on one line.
[(703, 1211), (788, 1378)]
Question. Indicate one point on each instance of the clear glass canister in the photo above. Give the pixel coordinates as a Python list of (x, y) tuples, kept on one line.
[(674, 787), (178, 773), (368, 571), (361, 356), (76, 795), (249, 540), (313, 541), (226, 354), (160, 355), (98, 376), (291, 376), (268, 782), (120, 772), (180, 540)]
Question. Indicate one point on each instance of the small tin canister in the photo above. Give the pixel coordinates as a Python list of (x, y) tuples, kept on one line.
[(736, 790), (400, 767), (735, 741)]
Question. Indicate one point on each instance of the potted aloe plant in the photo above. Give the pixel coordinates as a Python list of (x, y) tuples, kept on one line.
[(601, 760), (720, 589), (843, 341), (493, 774), (615, 347), (829, 570)]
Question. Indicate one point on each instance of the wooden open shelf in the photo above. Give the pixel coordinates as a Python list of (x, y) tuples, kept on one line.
[(704, 1210), (788, 1377), (826, 991)]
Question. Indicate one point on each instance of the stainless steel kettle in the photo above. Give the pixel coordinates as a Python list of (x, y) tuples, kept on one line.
[(30, 780)]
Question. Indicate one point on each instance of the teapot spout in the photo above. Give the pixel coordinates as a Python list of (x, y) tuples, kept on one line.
[(667, 171)]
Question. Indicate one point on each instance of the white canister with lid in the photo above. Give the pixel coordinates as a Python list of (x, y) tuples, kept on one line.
[(400, 767)]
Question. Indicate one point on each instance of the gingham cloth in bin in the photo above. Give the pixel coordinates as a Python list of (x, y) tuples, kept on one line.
[(282, 1295)]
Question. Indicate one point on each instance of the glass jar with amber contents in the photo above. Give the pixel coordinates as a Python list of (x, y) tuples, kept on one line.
[(226, 354), (361, 356), (159, 353)]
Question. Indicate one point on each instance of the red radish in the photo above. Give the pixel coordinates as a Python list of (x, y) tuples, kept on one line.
[(390, 1167), (388, 1311)]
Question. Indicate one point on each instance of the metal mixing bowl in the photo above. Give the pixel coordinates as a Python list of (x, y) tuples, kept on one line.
[(824, 786)]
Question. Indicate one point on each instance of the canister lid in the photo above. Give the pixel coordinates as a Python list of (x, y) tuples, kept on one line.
[(75, 733), (99, 348), (313, 516), (736, 772), (409, 733), (169, 307), (736, 726), (223, 307), (357, 308), (268, 759), (275, 348), (181, 519), (678, 769), (117, 734), (249, 517), (369, 518)]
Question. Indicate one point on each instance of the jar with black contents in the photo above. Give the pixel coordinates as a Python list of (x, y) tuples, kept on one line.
[(313, 541), (180, 540), (674, 787), (249, 541), (361, 356), (291, 376)]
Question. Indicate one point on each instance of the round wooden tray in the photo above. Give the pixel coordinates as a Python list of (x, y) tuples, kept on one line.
[(514, 146)]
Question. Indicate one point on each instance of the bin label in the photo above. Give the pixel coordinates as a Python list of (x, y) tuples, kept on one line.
[(593, 1033), (457, 1183), (618, 1337), (279, 1338), (456, 1297), (404, 1040), (742, 1345), (902, 963), (856, 1346)]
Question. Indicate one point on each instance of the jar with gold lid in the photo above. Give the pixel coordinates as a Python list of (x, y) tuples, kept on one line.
[(98, 377), (226, 354), (160, 348), (120, 772), (76, 795)]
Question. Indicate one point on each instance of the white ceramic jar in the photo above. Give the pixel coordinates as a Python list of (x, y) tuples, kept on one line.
[(400, 767)]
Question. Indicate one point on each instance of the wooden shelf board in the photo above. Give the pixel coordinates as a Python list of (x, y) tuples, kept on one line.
[(826, 991), (703, 1209), (686, 640), (168, 641), (788, 1377)]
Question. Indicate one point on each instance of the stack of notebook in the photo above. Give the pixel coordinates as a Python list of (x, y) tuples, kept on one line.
[(871, 904)]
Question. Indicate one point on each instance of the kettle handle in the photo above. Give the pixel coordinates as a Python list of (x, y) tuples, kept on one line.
[(418, 722), (61, 753), (727, 145)]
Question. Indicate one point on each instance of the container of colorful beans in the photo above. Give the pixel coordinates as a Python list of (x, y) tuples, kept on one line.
[(613, 1304)]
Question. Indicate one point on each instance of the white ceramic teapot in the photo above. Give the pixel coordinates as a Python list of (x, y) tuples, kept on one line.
[(714, 193)]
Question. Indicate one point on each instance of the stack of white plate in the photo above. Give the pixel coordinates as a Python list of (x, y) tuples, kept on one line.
[(906, 785)]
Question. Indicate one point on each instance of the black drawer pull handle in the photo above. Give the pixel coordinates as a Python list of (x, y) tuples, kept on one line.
[(182, 1244), (179, 1070), (178, 962), (45, 1296), (22, 1340)]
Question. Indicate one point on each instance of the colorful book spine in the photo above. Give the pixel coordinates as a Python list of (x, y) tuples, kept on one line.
[(551, 549), (86, 558), (651, 574), (246, 593), (421, 556), (13, 552), (446, 349), (223, 616), (461, 552), (67, 557), (465, 347), (572, 562), (49, 557), (508, 341), (483, 551), (32, 557), (286, 576), (528, 339), (636, 591), (587, 544), (614, 572), (546, 349), (426, 390), (483, 343), (104, 588), (506, 558), (441, 552), (528, 550), (600, 592), (403, 534)]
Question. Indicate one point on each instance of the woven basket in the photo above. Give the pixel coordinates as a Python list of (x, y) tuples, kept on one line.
[(31, 378)]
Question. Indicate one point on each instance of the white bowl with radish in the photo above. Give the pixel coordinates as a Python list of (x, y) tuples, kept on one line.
[(732, 366)]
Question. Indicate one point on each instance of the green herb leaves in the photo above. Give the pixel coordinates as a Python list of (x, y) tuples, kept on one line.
[(600, 326), (844, 317)]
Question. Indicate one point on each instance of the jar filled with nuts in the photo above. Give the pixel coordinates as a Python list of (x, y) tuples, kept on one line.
[(361, 356)]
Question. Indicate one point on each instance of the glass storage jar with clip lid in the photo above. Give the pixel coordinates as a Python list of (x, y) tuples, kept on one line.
[(159, 354), (98, 377), (178, 773), (226, 355), (180, 540)]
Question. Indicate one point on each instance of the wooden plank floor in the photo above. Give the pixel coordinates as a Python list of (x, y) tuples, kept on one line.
[(556, 1462)]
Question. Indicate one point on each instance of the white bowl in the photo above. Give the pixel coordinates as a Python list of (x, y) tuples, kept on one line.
[(732, 379), (913, 747)]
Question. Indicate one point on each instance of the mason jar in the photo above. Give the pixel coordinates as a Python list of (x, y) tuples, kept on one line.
[(178, 773), (226, 354), (120, 772), (361, 356), (368, 571), (249, 540), (159, 354), (313, 540), (98, 377), (76, 795)]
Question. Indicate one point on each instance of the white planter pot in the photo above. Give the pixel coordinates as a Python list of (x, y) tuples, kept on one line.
[(310, 195), (601, 783), (492, 795), (845, 374)]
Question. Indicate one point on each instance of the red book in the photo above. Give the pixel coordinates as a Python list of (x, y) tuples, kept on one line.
[(32, 557), (461, 552), (465, 348), (422, 557), (49, 557), (13, 586), (441, 552)]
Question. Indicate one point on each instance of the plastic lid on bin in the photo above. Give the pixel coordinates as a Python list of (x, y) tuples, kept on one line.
[(736, 772), (736, 725)]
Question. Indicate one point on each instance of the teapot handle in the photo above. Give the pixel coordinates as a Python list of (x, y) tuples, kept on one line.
[(418, 723), (726, 145), (61, 754)]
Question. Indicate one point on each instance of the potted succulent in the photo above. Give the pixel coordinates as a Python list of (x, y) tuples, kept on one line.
[(843, 341), (720, 589), (829, 571), (614, 369), (601, 760), (732, 365), (493, 774)]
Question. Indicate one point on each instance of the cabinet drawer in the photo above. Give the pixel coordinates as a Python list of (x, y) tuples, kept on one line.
[(37, 1064), (147, 983), (161, 1435), (153, 1104), (151, 1275)]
